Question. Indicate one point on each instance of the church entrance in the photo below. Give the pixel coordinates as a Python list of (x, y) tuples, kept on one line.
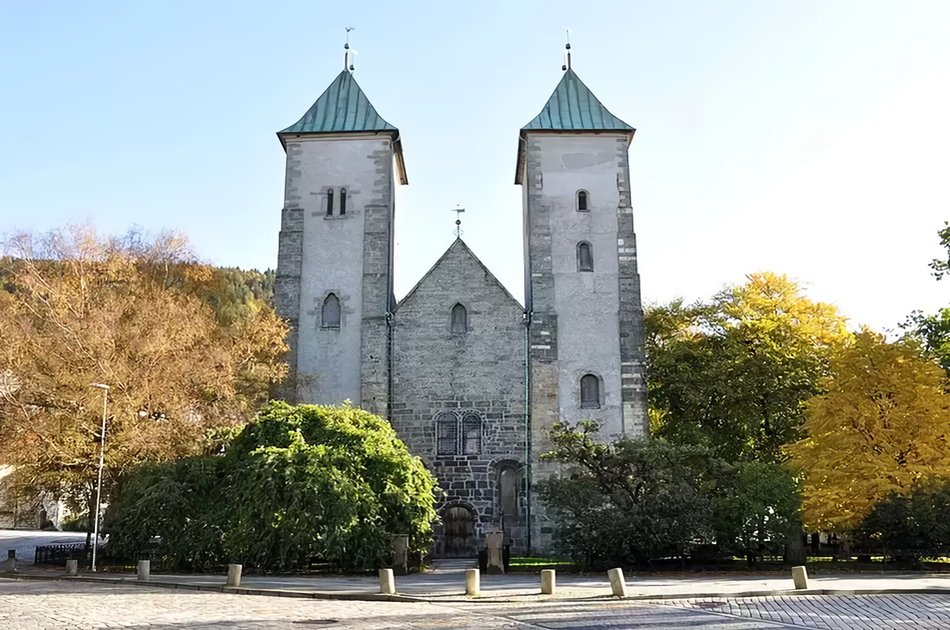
[(458, 539)]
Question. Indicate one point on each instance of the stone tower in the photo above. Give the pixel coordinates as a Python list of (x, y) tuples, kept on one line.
[(582, 288), (335, 255)]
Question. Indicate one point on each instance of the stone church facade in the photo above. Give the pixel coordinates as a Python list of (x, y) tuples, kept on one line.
[(470, 378)]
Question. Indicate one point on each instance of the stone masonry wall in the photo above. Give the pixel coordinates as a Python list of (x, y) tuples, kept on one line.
[(481, 370)]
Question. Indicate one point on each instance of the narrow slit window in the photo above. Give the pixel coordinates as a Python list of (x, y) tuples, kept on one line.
[(582, 201), (459, 319), (330, 203), (342, 201), (446, 428), (508, 489), (585, 257), (330, 314), (590, 392), (472, 434)]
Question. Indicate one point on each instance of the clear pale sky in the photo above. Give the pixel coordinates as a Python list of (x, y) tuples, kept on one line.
[(806, 137)]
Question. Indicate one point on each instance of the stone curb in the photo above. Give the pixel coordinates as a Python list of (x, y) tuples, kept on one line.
[(487, 598)]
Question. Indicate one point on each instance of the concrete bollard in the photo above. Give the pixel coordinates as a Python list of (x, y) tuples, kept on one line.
[(234, 575), (10, 566), (387, 582), (800, 578), (473, 584), (144, 570), (548, 582), (72, 567), (617, 584)]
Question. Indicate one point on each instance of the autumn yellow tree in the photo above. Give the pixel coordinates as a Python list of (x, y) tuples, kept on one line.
[(881, 426), (133, 313), (732, 373)]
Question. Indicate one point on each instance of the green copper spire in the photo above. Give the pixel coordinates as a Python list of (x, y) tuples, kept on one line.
[(573, 107), (341, 108)]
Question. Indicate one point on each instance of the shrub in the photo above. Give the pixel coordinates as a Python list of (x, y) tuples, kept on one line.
[(297, 484), (912, 527)]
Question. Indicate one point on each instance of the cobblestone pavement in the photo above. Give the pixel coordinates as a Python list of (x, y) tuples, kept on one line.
[(35, 605)]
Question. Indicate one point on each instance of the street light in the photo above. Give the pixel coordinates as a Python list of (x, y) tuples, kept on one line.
[(102, 448)]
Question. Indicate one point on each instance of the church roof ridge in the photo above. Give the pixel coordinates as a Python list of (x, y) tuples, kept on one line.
[(343, 107), (458, 242), (573, 107)]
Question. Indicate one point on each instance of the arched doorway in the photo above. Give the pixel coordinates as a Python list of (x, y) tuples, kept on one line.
[(458, 538)]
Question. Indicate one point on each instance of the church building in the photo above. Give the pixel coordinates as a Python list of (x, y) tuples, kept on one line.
[(470, 378)]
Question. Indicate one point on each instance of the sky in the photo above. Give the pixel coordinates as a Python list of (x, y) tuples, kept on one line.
[(805, 137)]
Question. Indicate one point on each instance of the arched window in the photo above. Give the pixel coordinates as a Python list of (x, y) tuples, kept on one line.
[(471, 434), (459, 319), (330, 203), (330, 314), (585, 257), (590, 392), (582, 201), (446, 433), (342, 201), (508, 490)]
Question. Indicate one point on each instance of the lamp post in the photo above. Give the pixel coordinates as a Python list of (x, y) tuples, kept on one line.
[(102, 448)]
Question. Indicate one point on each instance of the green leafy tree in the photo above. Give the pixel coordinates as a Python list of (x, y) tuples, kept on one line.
[(627, 502), (298, 483), (756, 505), (731, 374)]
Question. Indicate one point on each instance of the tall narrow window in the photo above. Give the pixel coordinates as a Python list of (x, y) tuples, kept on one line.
[(330, 314), (590, 392), (508, 490), (582, 205), (459, 319), (585, 257), (342, 201), (446, 433), (471, 434), (330, 203)]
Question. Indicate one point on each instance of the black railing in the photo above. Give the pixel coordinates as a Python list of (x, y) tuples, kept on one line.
[(59, 554)]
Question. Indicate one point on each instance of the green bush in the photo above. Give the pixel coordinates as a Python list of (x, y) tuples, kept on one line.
[(635, 501), (910, 528), (297, 484)]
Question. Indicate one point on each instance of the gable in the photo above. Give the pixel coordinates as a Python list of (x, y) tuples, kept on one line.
[(459, 276)]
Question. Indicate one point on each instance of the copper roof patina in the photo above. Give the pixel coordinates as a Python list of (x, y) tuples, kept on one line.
[(342, 107), (571, 108)]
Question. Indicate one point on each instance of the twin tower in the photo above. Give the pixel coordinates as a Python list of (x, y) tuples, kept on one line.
[(470, 379)]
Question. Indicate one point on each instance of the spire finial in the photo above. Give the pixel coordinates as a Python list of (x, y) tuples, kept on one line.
[(567, 50), (346, 50), (458, 210)]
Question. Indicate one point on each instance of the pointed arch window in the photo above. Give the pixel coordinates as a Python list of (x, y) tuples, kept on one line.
[(590, 392), (459, 320), (585, 256), (342, 201), (583, 201), (330, 202), (330, 313)]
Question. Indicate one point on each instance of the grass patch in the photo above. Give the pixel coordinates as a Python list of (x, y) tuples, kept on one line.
[(523, 564)]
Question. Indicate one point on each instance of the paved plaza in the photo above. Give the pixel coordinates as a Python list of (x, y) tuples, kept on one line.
[(42, 604)]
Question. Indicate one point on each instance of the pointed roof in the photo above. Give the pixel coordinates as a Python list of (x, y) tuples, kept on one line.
[(459, 246), (572, 108), (344, 108)]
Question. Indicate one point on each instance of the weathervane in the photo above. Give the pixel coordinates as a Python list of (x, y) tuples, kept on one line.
[(346, 50), (567, 48), (458, 210)]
